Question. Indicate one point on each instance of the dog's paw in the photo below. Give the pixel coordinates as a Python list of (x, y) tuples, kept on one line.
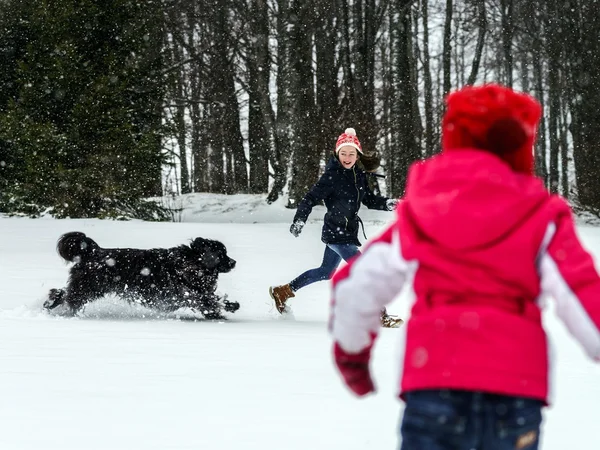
[(55, 298), (231, 306)]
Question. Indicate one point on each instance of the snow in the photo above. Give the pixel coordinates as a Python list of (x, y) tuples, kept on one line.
[(123, 377)]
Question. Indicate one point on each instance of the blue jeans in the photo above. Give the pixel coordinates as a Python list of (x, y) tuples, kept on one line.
[(462, 420), (331, 258)]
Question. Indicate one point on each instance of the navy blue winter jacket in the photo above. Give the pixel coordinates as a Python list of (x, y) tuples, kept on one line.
[(343, 190)]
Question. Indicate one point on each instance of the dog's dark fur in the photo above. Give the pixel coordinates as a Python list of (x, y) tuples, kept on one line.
[(165, 279)]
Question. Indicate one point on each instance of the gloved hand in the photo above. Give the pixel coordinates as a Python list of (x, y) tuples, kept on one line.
[(296, 228), (354, 369), (391, 203)]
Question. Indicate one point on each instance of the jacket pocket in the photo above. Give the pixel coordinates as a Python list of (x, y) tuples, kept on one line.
[(336, 221)]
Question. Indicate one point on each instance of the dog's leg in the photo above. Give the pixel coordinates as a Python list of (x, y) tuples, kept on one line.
[(77, 294), (209, 306)]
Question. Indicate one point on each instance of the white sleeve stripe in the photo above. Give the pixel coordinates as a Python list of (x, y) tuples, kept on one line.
[(548, 235), (568, 307), (374, 281)]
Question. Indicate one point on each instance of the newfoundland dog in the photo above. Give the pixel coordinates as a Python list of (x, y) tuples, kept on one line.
[(164, 279)]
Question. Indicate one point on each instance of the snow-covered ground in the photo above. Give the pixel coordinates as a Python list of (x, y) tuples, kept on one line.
[(120, 377)]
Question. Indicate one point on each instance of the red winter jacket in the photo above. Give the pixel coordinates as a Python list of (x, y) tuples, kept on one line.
[(482, 245)]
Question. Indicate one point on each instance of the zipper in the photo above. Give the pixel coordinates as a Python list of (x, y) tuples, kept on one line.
[(357, 190)]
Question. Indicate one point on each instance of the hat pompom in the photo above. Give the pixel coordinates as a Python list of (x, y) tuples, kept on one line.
[(349, 138), (505, 135)]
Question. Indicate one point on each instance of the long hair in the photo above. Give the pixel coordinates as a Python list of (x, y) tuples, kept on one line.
[(370, 163)]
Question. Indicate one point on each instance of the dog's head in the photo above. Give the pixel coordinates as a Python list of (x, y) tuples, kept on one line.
[(75, 246), (212, 255)]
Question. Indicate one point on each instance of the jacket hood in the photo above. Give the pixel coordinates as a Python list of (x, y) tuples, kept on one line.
[(468, 199), (333, 164)]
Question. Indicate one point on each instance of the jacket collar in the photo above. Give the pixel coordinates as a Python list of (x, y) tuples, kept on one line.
[(334, 164)]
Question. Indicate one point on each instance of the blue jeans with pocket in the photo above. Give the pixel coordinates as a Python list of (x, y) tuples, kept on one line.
[(331, 259), (464, 420)]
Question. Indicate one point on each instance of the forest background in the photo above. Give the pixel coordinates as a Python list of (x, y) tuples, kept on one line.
[(105, 104)]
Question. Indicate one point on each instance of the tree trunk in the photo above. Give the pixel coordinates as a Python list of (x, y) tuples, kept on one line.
[(198, 147), (281, 156), (216, 153), (258, 138), (507, 37), (535, 31), (306, 157), (234, 141), (198, 123), (180, 123), (447, 48), (585, 122), (481, 30), (541, 152), (326, 71), (403, 122), (347, 112), (414, 82), (260, 120), (365, 29), (225, 99), (564, 153), (554, 102), (428, 88), (554, 90)]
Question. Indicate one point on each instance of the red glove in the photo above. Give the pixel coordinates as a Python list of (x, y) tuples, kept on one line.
[(354, 369)]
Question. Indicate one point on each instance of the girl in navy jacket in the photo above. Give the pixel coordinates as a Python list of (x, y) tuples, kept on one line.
[(343, 187)]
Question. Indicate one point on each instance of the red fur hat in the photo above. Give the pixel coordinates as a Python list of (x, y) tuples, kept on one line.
[(493, 118), (348, 137)]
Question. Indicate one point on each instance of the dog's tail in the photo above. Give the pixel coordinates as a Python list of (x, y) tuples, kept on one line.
[(75, 245)]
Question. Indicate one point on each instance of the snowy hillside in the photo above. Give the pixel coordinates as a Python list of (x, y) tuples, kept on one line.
[(120, 377)]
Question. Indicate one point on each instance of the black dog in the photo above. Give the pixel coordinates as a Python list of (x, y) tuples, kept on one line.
[(159, 278)]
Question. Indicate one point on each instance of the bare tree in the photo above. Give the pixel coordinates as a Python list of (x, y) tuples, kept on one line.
[(481, 31), (305, 157), (283, 126), (403, 122), (447, 51), (507, 38), (428, 91)]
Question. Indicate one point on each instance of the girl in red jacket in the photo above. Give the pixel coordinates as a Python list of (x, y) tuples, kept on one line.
[(483, 243)]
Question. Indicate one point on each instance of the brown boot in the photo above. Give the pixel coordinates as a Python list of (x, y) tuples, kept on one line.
[(388, 321), (280, 294)]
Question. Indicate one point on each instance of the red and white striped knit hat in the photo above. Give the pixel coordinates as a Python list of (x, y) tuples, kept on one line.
[(348, 137)]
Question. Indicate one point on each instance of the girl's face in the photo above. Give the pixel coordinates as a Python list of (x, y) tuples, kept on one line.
[(347, 156)]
